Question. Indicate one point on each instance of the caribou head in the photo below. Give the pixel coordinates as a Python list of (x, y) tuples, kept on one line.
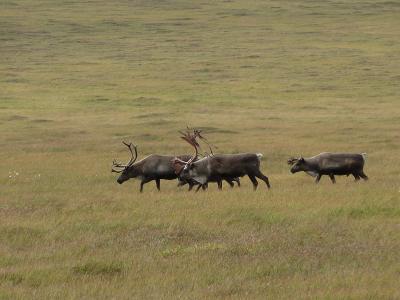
[(127, 170), (298, 164), (187, 170)]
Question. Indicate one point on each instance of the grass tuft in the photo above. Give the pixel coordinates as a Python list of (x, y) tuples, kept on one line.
[(367, 212), (98, 268), (14, 278)]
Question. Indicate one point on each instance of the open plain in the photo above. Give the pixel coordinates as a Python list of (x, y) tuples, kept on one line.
[(284, 78)]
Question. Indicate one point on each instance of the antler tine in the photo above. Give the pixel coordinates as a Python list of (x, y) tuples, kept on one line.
[(118, 164), (192, 141), (135, 148), (196, 153), (197, 133), (190, 138), (291, 160), (134, 156), (177, 160), (183, 133), (116, 171)]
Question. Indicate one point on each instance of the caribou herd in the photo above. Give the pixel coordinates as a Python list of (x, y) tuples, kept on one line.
[(197, 170)]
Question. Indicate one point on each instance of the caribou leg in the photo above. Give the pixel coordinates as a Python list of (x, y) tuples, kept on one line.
[(181, 183), (356, 177), (158, 184), (237, 180), (200, 186), (219, 184), (230, 183), (191, 185), (332, 177), (143, 182), (317, 179), (254, 181), (263, 178), (363, 176)]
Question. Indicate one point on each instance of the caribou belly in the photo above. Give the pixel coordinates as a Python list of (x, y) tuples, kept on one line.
[(200, 179), (311, 173)]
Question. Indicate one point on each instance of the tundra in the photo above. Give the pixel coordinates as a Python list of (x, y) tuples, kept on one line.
[(215, 168), (153, 167), (331, 164)]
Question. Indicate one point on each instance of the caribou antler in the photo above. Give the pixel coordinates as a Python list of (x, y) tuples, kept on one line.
[(210, 146), (197, 133), (131, 161), (191, 139), (292, 161), (117, 165)]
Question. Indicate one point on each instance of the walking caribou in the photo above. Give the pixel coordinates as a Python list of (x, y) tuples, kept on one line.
[(214, 168), (153, 167), (331, 164)]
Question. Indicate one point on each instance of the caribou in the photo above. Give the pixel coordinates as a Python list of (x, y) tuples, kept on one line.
[(215, 168), (153, 167), (331, 164), (179, 167)]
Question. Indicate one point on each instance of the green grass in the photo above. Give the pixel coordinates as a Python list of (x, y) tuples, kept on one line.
[(284, 78)]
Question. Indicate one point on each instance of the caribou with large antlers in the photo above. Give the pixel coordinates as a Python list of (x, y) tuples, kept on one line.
[(179, 164), (153, 167), (215, 168)]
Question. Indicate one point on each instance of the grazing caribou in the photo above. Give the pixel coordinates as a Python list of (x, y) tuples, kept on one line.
[(215, 168), (331, 164), (153, 167)]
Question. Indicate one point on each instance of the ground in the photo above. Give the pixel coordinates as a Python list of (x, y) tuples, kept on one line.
[(284, 78)]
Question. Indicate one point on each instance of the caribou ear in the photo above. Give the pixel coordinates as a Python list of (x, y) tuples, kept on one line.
[(301, 159)]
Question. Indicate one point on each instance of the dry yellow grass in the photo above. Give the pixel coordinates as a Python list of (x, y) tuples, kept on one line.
[(279, 77)]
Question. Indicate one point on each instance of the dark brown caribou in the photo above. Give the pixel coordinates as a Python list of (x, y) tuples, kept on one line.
[(153, 167), (331, 164), (215, 168), (179, 166)]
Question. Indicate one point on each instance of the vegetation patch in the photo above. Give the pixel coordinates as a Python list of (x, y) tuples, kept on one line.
[(16, 118), (210, 129), (14, 278), (144, 101), (196, 248), (367, 212), (98, 268), (20, 236), (275, 270), (254, 218), (42, 121)]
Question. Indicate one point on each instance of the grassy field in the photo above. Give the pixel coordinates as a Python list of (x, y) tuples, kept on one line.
[(279, 77)]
